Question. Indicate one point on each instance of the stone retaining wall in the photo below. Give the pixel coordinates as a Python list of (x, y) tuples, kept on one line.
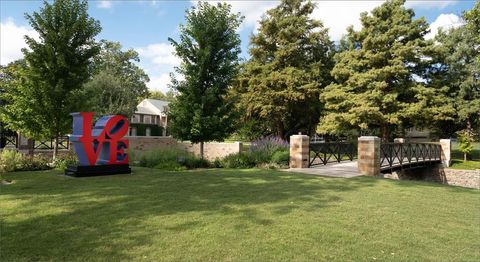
[(212, 150), (447, 176)]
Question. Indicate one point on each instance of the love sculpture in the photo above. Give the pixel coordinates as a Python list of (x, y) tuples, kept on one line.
[(101, 150)]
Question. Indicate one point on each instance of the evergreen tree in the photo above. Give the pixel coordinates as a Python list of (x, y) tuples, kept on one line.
[(379, 76), (209, 47), (56, 68), (291, 59), (458, 69)]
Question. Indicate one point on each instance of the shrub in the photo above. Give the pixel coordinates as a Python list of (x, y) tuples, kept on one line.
[(240, 160), (268, 145), (281, 157), (65, 160), (10, 160), (35, 162), (169, 159)]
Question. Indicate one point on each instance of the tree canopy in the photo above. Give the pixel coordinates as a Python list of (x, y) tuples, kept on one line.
[(118, 83), (291, 59), (57, 65), (378, 78), (208, 48)]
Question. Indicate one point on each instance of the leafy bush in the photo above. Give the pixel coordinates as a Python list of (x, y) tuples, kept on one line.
[(269, 145), (240, 160), (10, 160), (281, 157), (265, 152), (169, 159), (64, 160), (34, 163)]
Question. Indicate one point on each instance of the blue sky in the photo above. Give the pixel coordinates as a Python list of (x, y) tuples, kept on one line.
[(146, 25)]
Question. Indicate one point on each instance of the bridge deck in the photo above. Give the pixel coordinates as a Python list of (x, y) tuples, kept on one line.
[(345, 169)]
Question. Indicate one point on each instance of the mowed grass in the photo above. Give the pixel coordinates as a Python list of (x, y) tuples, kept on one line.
[(234, 215)]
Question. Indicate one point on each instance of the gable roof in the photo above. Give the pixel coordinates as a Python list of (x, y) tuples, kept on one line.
[(152, 107)]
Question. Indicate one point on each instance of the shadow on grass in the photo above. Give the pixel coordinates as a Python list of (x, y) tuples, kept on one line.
[(64, 218)]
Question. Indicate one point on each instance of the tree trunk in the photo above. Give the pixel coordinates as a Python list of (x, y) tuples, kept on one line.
[(385, 133), (201, 150), (55, 147), (31, 146), (465, 157)]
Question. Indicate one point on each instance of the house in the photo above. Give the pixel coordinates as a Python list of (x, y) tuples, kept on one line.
[(150, 118)]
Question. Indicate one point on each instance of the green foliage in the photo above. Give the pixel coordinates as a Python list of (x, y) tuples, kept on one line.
[(12, 160), (281, 157), (118, 83), (46, 90), (209, 47), (64, 160), (167, 159), (459, 58), (240, 160), (169, 96), (291, 59), (465, 142), (374, 84)]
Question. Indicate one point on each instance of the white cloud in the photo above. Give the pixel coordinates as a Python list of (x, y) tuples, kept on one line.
[(159, 54), (105, 4), (429, 4), (158, 60), (338, 15), (159, 83), (12, 40), (444, 21)]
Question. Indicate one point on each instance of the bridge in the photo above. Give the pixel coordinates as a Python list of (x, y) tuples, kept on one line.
[(368, 157)]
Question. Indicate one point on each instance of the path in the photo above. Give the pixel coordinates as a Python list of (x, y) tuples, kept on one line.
[(345, 169)]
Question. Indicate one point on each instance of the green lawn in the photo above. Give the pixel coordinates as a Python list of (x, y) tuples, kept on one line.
[(457, 156), (234, 215)]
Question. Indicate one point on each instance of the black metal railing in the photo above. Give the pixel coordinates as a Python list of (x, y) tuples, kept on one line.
[(9, 141), (407, 155), (63, 143), (323, 153)]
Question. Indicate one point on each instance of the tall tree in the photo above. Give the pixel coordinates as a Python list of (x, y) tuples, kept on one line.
[(57, 67), (458, 69), (291, 59), (209, 47), (379, 75), (118, 83)]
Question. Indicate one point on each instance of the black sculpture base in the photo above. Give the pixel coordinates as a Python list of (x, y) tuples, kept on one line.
[(102, 170)]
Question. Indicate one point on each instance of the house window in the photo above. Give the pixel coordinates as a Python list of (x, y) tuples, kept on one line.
[(135, 118), (133, 131), (147, 119)]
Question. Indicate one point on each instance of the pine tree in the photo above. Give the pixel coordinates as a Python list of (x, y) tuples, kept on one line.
[(291, 59), (458, 51), (209, 47), (57, 67), (379, 76)]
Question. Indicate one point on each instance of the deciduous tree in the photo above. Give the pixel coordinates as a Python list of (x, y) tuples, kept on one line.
[(118, 83), (57, 65), (209, 47)]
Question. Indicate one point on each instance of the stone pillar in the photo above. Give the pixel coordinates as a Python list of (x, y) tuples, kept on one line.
[(399, 140), (369, 155), (446, 152), (299, 150)]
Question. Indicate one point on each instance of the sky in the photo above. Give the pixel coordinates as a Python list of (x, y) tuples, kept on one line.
[(146, 25)]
